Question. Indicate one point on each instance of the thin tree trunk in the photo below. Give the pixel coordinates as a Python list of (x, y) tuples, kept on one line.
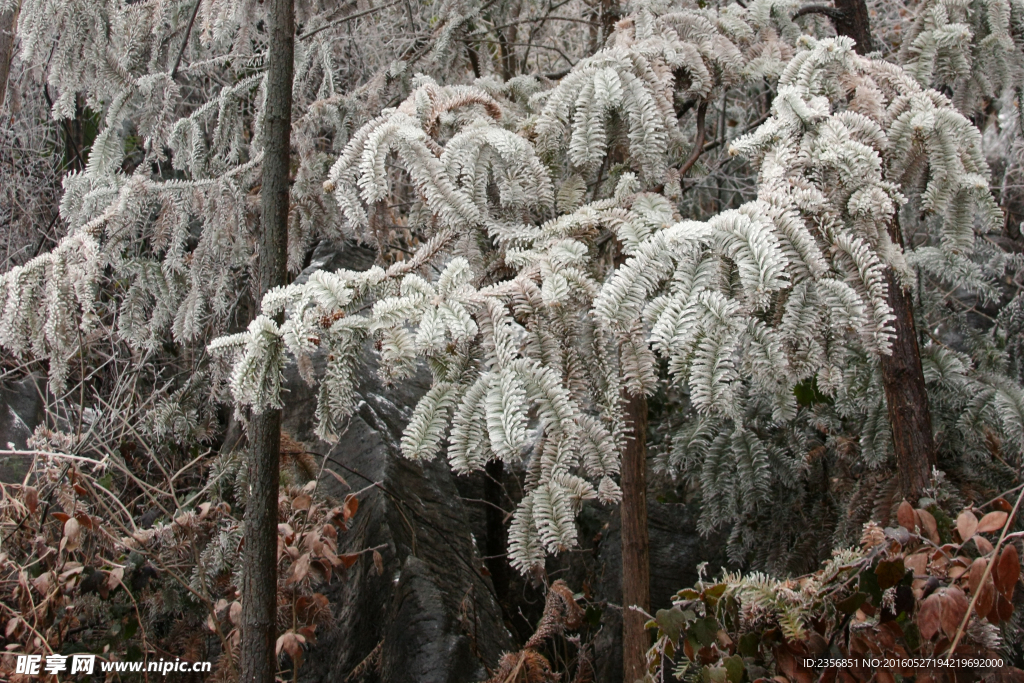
[(259, 590), (7, 22), (636, 570), (905, 394)]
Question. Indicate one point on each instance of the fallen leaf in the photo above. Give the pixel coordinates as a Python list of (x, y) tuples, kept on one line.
[(929, 526), (905, 516)]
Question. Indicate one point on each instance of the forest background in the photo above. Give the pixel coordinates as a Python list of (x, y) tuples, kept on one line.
[(715, 297)]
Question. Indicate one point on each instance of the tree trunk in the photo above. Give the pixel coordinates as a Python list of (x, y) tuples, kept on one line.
[(259, 590), (497, 537), (852, 20), (636, 570), (905, 394), (7, 22)]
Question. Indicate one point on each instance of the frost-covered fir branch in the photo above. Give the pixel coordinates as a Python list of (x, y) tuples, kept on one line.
[(786, 289)]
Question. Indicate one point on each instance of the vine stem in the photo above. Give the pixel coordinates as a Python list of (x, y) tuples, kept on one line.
[(984, 576)]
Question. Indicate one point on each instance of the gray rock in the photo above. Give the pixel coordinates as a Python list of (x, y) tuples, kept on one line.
[(21, 410), (676, 548), (432, 612)]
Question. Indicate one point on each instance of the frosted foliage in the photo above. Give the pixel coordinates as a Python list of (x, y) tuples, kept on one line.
[(535, 338), (558, 256)]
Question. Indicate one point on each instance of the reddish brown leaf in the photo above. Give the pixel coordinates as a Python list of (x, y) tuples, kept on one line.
[(1007, 570), (918, 562), (84, 519), (986, 599), (993, 521), (1004, 608), (928, 616), (954, 607), (977, 569), (291, 643), (929, 526), (983, 545), (114, 577), (1002, 504), (302, 502), (300, 569), (341, 479), (61, 516), (31, 499), (966, 525), (350, 507), (348, 560), (905, 516), (378, 563)]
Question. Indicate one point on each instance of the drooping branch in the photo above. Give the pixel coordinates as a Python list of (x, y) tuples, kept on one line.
[(830, 12), (184, 42), (698, 143)]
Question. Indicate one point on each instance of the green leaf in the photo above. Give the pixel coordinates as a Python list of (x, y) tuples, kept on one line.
[(671, 622), (890, 572), (734, 668), (749, 644), (852, 603), (716, 674), (705, 630), (869, 585)]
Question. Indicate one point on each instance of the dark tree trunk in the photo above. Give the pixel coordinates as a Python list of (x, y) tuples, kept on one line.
[(852, 20), (497, 540), (905, 394), (259, 591), (7, 21), (636, 570)]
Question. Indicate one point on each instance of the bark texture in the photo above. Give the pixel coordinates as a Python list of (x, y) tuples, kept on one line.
[(906, 396), (636, 570), (851, 19), (259, 592), (7, 22)]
